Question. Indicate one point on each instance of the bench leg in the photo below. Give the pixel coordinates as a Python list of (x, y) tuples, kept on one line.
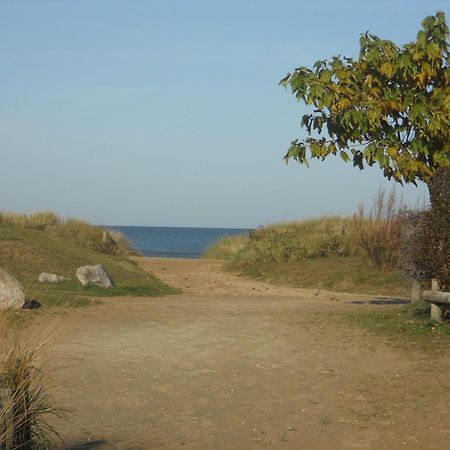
[(436, 313), (416, 291)]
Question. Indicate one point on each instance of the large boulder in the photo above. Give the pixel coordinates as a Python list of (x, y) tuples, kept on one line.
[(51, 278), (94, 275), (11, 292)]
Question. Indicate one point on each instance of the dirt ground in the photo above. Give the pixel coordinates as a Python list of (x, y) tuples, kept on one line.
[(239, 364)]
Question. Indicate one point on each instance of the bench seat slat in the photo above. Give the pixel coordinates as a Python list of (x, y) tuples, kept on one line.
[(436, 297)]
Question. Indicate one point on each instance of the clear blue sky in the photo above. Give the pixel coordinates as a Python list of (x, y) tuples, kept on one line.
[(169, 112)]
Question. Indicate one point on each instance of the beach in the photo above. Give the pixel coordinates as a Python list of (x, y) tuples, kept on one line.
[(237, 363)]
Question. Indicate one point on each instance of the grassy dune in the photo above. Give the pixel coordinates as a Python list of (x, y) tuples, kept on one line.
[(77, 231), (27, 251), (322, 253)]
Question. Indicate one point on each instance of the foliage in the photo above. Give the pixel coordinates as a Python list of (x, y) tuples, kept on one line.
[(379, 233), (390, 107), (426, 243)]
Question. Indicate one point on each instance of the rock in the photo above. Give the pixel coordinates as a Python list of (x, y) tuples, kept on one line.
[(31, 304), (94, 275), (11, 292), (51, 278)]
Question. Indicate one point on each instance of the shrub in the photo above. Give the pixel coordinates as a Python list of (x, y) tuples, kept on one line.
[(379, 232), (426, 243)]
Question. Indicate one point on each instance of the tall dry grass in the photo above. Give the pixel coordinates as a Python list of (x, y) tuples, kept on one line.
[(25, 405), (375, 232), (379, 231), (78, 231), (226, 247), (290, 242)]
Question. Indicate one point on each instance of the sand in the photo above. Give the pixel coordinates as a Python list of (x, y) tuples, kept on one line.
[(240, 364)]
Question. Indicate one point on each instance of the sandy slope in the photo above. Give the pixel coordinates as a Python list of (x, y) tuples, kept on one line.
[(238, 364)]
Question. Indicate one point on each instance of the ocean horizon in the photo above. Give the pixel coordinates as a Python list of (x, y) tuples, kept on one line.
[(175, 242)]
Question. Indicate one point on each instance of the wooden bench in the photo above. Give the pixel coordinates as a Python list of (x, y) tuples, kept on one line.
[(437, 299)]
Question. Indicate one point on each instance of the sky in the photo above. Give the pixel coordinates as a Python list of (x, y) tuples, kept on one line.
[(169, 113)]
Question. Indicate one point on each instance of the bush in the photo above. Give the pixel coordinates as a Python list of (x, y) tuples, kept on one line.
[(379, 232), (426, 243)]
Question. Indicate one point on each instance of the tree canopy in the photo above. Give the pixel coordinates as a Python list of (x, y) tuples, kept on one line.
[(390, 107)]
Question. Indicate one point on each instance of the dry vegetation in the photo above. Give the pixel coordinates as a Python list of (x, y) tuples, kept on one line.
[(78, 231), (356, 254), (379, 232), (25, 405)]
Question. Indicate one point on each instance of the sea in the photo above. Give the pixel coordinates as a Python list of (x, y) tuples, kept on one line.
[(175, 242)]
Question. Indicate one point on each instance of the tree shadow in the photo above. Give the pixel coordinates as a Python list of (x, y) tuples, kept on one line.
[(381, 301), (87, 445)]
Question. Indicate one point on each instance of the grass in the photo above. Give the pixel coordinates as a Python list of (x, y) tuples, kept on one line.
[(26, 252), (226, 247), (77, 231), (353, 274), (412, 321), (322, 253), (25, 405)]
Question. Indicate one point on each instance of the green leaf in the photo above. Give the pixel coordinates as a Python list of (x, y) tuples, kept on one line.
[(344, 156), (392, 101)]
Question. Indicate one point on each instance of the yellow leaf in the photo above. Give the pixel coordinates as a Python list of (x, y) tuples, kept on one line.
[(344, 104), (392, 152)]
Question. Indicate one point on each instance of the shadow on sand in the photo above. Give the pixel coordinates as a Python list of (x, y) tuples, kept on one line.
[(87, 445), (382, 301)]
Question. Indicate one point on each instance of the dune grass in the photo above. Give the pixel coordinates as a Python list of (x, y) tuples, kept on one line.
[(26, 252), (226, 247), (321, 253), (25, 404), (77, 231)]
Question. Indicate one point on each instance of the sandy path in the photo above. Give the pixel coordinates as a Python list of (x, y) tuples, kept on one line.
[(238, 364)]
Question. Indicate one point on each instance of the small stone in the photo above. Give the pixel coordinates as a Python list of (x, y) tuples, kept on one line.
[(51, 278)]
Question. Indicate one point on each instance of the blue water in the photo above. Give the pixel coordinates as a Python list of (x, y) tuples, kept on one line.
[(174, 242)]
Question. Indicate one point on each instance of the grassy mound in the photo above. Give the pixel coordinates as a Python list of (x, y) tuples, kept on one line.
[(26, 252), (321, 253), (78, 231)]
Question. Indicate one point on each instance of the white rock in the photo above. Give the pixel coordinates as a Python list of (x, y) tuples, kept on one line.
[(11, 292), (51, 278), (94, 275)]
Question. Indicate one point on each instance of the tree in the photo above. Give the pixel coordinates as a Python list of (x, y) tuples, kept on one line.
[(390, 107)]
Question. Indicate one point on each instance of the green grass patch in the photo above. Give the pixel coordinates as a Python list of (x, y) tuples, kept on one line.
[(26, 252), (411, 320)]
